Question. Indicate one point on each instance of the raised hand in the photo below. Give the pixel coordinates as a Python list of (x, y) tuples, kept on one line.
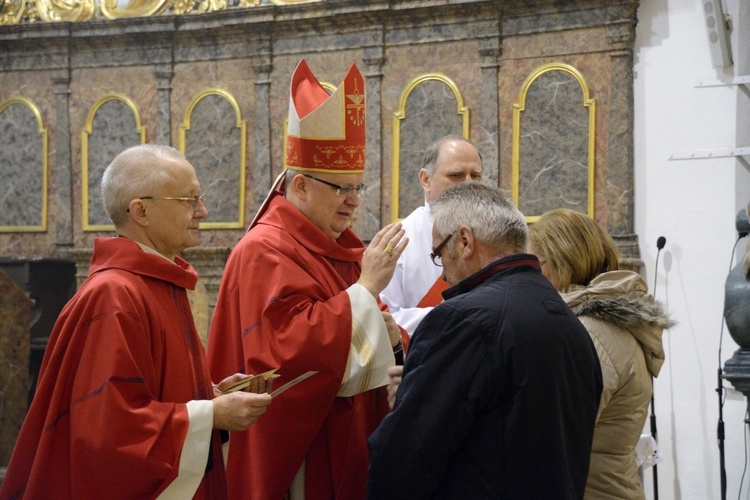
[(380, 258)]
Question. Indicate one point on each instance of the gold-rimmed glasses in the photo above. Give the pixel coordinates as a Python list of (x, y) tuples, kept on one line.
[(194, 200)]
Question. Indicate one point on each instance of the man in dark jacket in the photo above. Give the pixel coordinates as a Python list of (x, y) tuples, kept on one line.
[(502, 382)]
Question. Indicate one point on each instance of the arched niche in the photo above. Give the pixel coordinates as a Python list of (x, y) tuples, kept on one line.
[(113, 124), (213, 137), (554, 123), (430, 107), (23, 155)]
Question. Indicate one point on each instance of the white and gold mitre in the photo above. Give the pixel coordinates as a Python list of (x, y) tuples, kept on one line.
[(326, 133)]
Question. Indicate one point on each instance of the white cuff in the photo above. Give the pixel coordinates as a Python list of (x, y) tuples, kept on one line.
[(195, 450), (370, 352)]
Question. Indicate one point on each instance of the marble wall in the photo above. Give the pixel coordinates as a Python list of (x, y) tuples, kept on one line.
[(216, 85), (553, 142), (23, 194), (15, 337), (430, 107), (213, 136), (113, 124), (472, 60)]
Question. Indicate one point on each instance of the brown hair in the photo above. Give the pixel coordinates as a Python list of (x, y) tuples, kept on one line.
[(575, 247)]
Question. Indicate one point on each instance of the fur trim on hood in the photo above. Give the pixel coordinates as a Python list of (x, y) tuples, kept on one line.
[(621, 298), (628, 311)]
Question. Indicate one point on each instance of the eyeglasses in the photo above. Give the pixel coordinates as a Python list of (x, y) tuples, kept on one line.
[(194, 200), (436, 254), (342, 191)]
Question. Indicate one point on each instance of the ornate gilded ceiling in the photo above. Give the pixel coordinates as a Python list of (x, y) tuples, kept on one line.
[(32, 11)]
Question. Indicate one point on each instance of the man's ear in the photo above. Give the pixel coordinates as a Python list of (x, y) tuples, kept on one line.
[(424, 178), (466, 239), (137, 212), (300, 187)]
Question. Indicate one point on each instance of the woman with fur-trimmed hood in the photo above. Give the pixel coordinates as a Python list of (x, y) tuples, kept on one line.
[(581, 260)]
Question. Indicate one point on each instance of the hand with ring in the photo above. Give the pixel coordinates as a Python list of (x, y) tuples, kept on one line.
[(379, 260)]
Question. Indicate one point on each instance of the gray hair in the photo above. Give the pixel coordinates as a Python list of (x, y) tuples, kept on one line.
[(289, 179), (430, 157), (488, 211), (132, 174)]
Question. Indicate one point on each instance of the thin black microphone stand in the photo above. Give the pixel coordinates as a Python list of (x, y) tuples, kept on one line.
[(653, 433), (720, 434), (659, 246)]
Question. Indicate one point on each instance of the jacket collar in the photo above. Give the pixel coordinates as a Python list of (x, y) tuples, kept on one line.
[(506, 265)]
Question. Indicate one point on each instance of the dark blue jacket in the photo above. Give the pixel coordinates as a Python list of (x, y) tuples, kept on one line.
[(498, 399)]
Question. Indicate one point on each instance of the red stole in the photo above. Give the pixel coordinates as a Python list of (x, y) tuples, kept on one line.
[(434, 295)]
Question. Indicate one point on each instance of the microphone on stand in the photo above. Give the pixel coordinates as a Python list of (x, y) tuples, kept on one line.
[(660, 242)]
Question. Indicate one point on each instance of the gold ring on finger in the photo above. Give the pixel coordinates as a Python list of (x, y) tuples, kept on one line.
[(390, 249)]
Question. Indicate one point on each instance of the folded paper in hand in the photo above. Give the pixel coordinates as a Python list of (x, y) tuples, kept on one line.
[(292, 383), (245, 382)]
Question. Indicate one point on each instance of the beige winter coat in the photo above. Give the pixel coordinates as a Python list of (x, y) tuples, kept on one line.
[(626, 326)]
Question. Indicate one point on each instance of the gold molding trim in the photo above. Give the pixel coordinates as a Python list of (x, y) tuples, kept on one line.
[(31, 11), (85, 133), (65, 10), (13, 12), (401, 115), (45, 167), (291, 2), (520, 106), (240, 124), (135, 8)]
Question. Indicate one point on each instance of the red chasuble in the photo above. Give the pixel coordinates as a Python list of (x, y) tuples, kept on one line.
[(109, 419), (283, 303)]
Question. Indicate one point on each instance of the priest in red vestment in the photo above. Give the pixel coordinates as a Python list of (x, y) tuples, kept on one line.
[(299, 293), (124, 406)]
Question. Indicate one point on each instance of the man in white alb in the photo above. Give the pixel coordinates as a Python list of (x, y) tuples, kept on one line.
[(416, 285)]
